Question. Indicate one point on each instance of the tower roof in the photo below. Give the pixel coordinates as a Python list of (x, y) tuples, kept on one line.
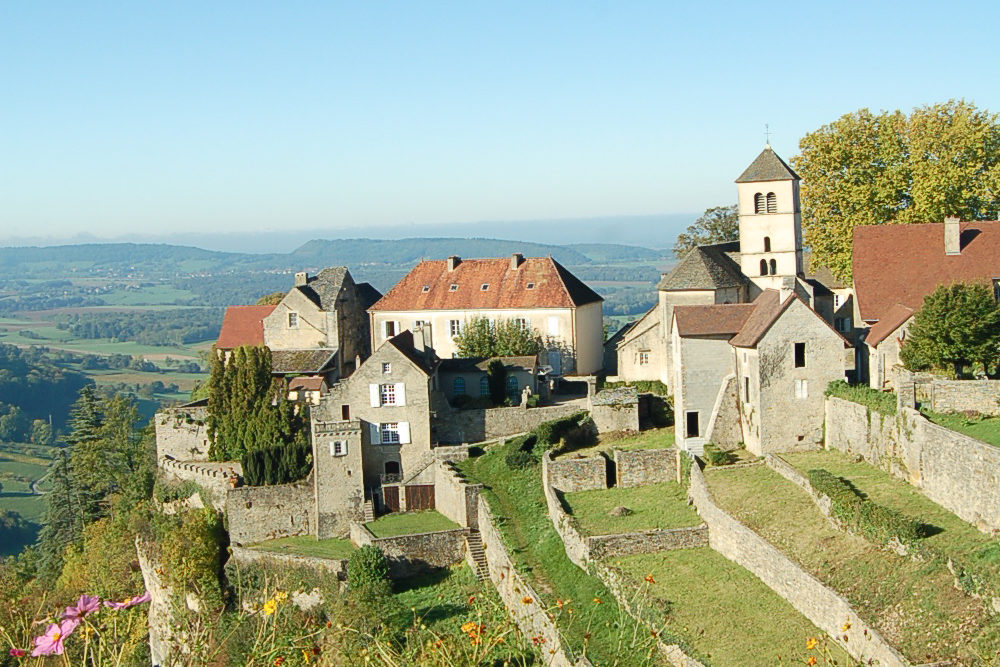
[(767, 167)]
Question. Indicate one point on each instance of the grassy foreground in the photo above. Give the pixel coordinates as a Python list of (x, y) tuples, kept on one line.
[(410, 523), (662, 505), (589, 619), (305, 545), (914, 604), (983, 429)]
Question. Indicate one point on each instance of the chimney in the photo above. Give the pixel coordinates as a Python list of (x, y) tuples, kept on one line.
[(422, 341), (515, 261), (952, 235), (301, 278), (454, 261)]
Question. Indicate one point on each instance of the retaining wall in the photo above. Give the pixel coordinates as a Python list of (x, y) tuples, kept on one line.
[(959, 473), (570, 475), (615, 410), (244, 556), (454, 426), (414, 554), (454, 497), (821, 605), (941, 395), (258, 513), (217, 478), (181, 433), (646, 541), (649, 466)]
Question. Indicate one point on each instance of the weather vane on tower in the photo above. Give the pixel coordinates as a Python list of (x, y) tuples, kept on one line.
[(767, 134)]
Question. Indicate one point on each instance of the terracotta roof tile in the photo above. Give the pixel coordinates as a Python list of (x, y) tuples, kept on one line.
[(767, 308), (714, 320), (242, 325), (901, 264), (891, 320), (306, 383), (428, 286)]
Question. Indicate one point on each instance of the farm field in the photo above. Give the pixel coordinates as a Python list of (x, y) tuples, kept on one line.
[(20, 466)]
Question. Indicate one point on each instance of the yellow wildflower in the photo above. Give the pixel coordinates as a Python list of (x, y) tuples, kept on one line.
[(467, 627), (270, 607), (811, 643), (280, 596)]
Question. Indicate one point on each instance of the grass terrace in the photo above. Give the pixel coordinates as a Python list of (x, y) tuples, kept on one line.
[(913, 603), (730, 616), (985, 429), (657, 438), (662, 505), (601, 629), (410, 523), (306, 545)]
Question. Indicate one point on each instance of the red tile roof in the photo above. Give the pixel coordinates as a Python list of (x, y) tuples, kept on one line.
[(306, 383), (428, 286), (242, 325), (901, 264), (767, 308), (714, 320), (891, 320)]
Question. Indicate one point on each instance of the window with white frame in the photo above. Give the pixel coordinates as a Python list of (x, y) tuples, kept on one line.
[(522, 323), (454, 327), (293, 320), (453, 287), (387, 394), (338, 448), (390, 433), (801, 389), (643, 357)]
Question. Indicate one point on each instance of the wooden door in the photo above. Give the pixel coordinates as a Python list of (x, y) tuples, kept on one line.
[(390, 498), (420, 497)]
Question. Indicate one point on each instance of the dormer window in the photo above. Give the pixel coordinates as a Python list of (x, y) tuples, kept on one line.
[(767, 244), (484, 286), (772, 203), (758, 203), (530, 286), (425, 288), (453, 287)]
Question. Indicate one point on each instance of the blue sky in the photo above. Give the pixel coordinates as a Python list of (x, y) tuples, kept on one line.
[(120, 117)]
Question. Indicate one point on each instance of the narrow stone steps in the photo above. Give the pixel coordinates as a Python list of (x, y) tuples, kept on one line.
[(369, 511), (474, 542)]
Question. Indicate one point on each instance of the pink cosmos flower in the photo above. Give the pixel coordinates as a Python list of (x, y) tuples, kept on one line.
[(87, 604), (18, 652), (128, 602), (52, 641)]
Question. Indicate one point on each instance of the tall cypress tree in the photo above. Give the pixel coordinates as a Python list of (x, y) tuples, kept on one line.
[(63, 523)]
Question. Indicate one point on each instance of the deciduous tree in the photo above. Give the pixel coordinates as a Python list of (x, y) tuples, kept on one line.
[(507, 338), (716, 225)]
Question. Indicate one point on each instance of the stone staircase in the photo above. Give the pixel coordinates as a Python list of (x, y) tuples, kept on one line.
[(474, 542), (369, 511)]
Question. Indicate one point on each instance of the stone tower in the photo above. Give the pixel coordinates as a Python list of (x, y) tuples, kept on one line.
[(770, 221)]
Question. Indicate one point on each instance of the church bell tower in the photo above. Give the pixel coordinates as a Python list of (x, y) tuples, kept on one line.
[(770, 221)]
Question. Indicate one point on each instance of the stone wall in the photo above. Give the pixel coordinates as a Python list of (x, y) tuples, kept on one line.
[(454, 497), (528, 611), (244, 556), (649, 466), (181, 433), (646, 541), (454, 426), (821, 605), (161, 607), (724, 428), (615, 410), (258, 513), (216, 478), (941, 395), (570, 475), (959, 473), (414, 554)]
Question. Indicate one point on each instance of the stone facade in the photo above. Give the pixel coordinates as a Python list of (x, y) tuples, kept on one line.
[(701, 363), (414, 554), (181, 433), (455, 426), (957, 472), (941, 395), (602, 547), (259, 513), (724, 425), (454, 497), (646, 466), (568, 475), (825, 608), (335, 567), (216, 478), (615, 410), (338, 474)]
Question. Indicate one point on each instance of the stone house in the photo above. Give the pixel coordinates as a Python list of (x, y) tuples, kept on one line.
[(468, 377), (896, 266), (768, 255), (442, 296), (759, 369)]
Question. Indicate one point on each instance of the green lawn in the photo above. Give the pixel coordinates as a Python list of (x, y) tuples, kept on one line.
[(729, 615), (305, 545), (662, 505), (657, 438), (987, 430), (516, 499), (948, 533), (410, 523), (914, 604)]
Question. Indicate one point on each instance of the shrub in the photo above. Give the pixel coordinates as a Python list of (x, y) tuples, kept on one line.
[(518, 459), (883, 402), (367, 569), (716, 456), (551, 432), (860, 515), (166, 493), (533, 401), (277, 465), (642, 386)]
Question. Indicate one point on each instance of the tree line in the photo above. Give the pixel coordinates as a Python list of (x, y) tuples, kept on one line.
[(149, 327)]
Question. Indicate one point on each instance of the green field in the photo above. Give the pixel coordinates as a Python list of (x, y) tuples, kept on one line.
[(410, 523), (661, 505), (20, 465), (50, 336)]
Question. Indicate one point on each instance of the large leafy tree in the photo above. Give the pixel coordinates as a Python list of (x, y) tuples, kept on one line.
[(889, 168), (716, 225), (957, 327), (507, 338)]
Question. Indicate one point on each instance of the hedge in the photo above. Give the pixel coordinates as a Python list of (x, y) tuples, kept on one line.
[(879, 401), (860, 515), (277, 465)]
